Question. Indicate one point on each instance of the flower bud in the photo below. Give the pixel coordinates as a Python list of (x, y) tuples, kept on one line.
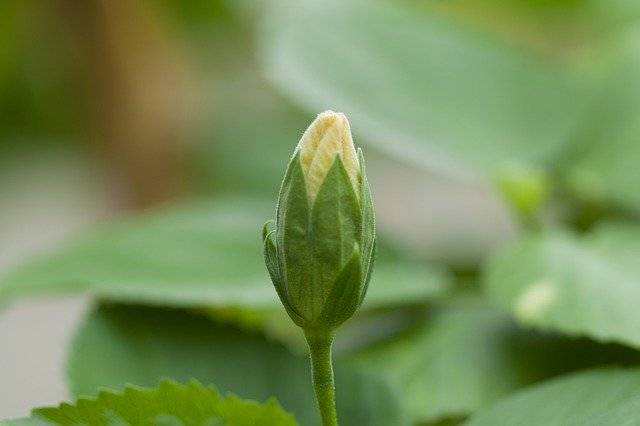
[(320, 254)]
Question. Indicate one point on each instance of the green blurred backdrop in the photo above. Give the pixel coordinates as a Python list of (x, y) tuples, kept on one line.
[(502, 140)]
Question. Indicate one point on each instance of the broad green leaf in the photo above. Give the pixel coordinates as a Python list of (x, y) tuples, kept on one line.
[(196, 255), (466, 354), (591, 398), (581, 286), (204, 254), (141, 345), (605, 168), (169, 403), (558, 28), (423, 86)]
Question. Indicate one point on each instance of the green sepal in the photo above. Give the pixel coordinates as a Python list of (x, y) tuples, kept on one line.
[(271, 260), (267, 228), (271, 256), (367, 266), (345, 295), (293, 240), (335, 226), (368, 237)]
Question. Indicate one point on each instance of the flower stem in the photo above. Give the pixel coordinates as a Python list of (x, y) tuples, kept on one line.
[(322, 371)]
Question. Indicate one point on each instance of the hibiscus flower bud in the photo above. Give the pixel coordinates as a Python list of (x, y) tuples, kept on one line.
[(320, 252)]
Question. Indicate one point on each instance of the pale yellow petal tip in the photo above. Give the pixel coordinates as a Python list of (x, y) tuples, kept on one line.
[(327, 136)]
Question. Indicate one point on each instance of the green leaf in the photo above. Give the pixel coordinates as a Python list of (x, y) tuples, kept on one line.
[(559, 28), (590, 398), (141, 345), (170, 403), (24, 422), (202, 254), (605, 168), (587, 286), (465, 354), (423, 86)]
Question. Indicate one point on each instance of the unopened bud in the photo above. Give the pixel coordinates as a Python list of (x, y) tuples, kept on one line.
[(320, 254)]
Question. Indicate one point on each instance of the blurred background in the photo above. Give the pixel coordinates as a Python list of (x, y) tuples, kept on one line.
[(480, 120)]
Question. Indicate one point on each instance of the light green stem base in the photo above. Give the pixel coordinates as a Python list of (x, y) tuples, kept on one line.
[(322, 372)]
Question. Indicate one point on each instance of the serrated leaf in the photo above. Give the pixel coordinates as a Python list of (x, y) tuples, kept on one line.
[(141, 345), (202, 254), (589, 398), (168, 404), (465, 355), (422, 86), (586, 286)]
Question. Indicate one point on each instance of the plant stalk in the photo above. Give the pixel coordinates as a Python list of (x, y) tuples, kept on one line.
[(322, 373)]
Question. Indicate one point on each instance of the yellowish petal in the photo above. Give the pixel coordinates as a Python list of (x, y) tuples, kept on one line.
[(329, 135)]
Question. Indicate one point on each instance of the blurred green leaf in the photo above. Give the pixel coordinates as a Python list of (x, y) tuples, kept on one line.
[(141, 345), (605, 168), (557, 28), (203, 254), (466, 354), (601, 397), (423, 86), (170, 403), (584, 286), (195, 255)]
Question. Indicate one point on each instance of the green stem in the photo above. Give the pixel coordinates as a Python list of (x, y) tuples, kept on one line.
[(322, 372)]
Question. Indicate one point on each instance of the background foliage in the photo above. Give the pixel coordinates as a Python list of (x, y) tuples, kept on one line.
[(501, 139)]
